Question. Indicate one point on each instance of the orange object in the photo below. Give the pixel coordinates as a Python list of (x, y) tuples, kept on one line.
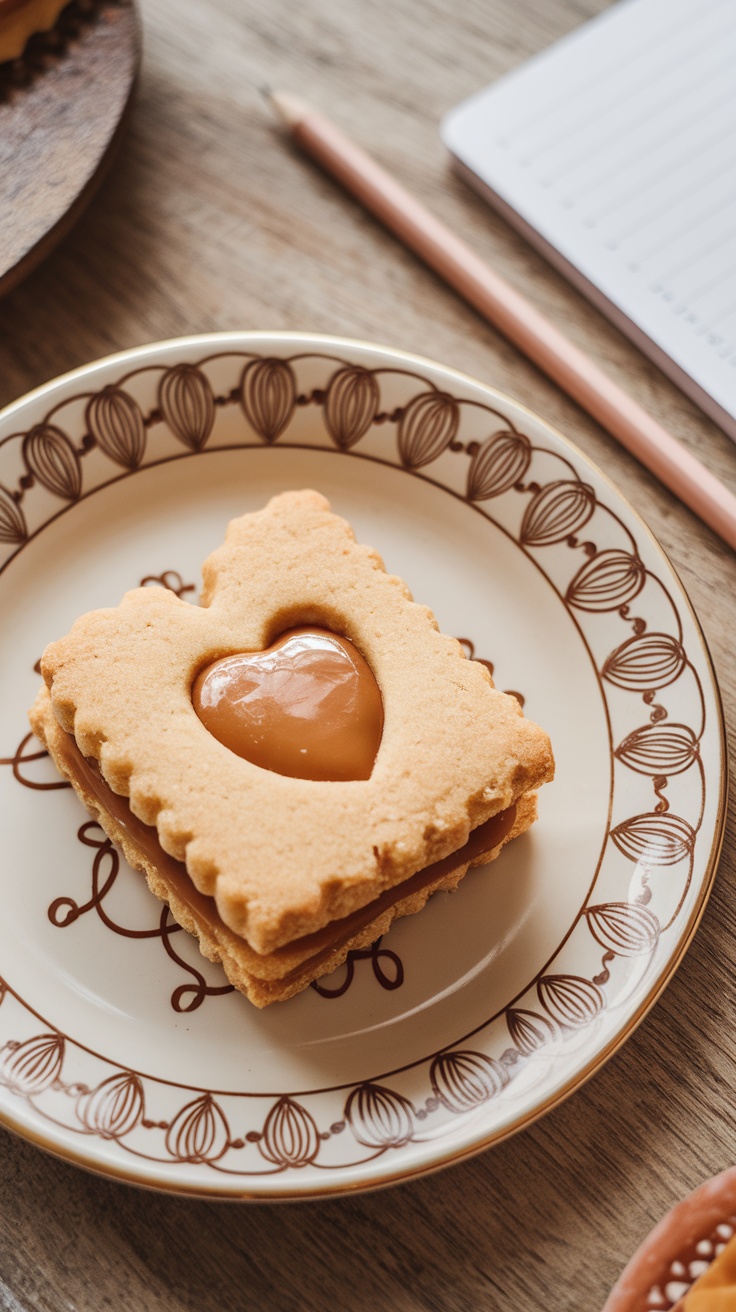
[(667, 1270), (715, 1290), (20, 19), (512, 314)]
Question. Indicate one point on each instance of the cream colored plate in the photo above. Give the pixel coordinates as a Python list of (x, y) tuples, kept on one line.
[(119, 1045)]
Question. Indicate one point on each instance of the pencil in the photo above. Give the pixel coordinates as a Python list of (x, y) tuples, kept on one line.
[(512, 314)]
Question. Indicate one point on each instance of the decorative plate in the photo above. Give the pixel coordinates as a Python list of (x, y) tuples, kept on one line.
[(120, 1047)]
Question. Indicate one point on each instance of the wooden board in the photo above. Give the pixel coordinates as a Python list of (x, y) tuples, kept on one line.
[(63, 107)]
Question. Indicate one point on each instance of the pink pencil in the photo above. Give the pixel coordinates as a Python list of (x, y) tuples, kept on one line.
[(512, 314)]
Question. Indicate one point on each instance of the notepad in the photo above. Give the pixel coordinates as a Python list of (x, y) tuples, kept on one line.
[(614, 151)]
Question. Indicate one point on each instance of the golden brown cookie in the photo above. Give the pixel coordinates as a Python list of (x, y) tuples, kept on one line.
[(269, 977), (282, 857), (21, 19)]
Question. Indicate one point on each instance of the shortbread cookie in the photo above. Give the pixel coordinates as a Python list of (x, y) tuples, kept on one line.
[(21, 19), (282, 858), (275, 976)]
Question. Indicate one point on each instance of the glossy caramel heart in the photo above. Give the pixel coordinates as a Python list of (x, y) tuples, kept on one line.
[(308, 706)]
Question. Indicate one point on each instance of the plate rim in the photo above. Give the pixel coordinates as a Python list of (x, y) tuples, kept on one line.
[(440, 1159)]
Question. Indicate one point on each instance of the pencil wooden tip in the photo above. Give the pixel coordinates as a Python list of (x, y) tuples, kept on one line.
[(292, 109)]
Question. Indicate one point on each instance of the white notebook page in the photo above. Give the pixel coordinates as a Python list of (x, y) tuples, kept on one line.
[(615, 151)]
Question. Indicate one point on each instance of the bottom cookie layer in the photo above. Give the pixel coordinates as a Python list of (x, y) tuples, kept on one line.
[(279, 975)]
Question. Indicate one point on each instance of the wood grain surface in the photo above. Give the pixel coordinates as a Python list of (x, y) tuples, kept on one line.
[(210, 220)]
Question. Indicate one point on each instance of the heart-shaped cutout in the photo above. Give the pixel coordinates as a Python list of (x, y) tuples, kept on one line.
[(308, 706)]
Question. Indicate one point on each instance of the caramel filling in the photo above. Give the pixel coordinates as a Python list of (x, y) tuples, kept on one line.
[(322, 942), (308, 706)]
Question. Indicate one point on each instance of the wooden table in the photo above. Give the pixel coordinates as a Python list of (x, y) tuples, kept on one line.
[(211, 221)]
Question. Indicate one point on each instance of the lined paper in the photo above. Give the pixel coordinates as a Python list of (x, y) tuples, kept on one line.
[(615, 151)]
